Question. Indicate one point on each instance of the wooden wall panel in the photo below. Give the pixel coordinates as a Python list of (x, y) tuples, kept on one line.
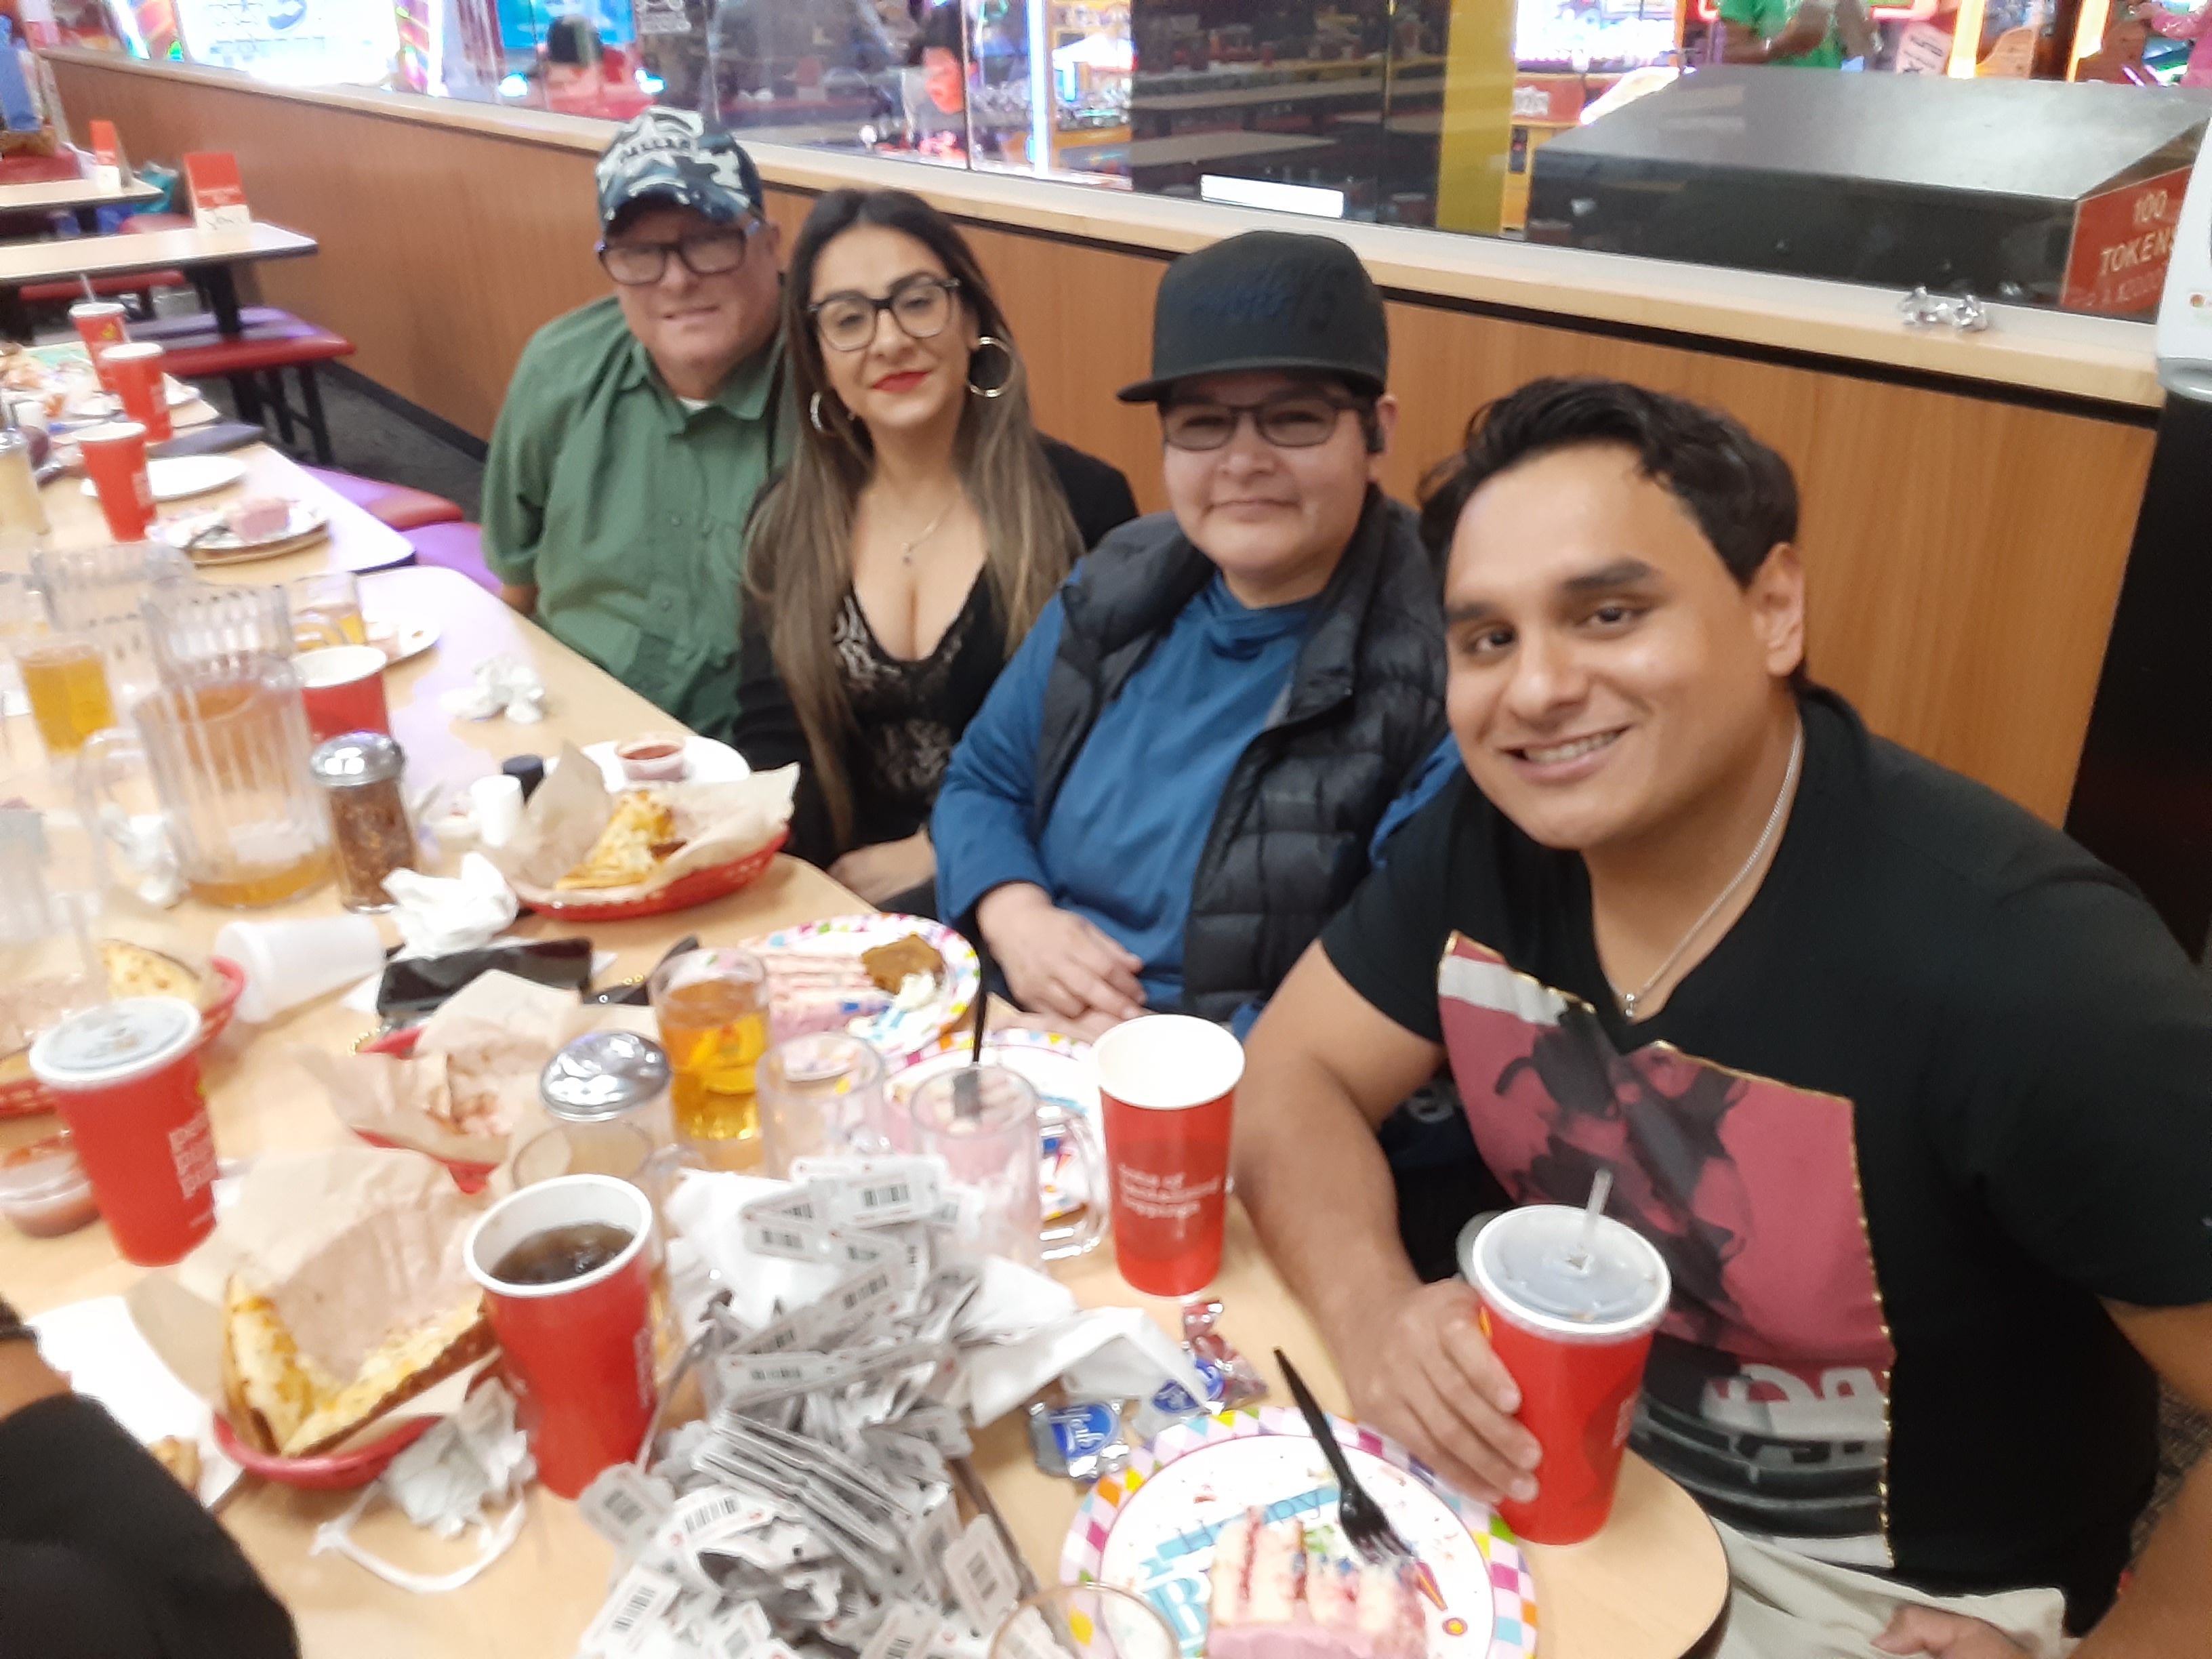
[(1965, 554)]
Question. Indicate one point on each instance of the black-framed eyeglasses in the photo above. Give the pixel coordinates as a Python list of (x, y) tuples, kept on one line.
[(705, 253), (921, 305), (1288, 420)]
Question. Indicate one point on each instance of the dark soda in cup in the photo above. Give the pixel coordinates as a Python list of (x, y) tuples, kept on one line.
[(1573, 1329)]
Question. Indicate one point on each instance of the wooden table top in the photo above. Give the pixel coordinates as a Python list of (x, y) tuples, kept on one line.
[(73, 193), (160, 250), (356, 541), (1649, 1584)]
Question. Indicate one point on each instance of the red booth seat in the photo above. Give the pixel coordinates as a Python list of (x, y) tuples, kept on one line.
[(397, 505), (68, 293)]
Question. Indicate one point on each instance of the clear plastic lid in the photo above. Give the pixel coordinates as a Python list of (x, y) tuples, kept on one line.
[(1528, 1262), (603, 1074), (115, 1042)]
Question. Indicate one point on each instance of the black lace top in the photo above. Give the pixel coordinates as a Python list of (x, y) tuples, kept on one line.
[(907, 715)]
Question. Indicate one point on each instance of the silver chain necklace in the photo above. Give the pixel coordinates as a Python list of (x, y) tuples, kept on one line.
[(906, 553), (1630, 999)]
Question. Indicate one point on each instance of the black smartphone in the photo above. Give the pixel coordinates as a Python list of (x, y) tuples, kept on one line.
[(418, 984)]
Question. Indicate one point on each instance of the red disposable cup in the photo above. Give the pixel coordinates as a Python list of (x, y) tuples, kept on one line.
[(343, 686), (134, 370), (115, 461), (127, 1075), (577, 1356), (1168, 1084), (99, 324), (1574, 1341)]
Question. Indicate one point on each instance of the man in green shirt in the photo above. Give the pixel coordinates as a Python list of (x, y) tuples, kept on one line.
[(1814, 35), (637, 429)]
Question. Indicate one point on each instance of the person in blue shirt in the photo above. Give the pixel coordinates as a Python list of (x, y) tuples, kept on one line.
[(1174, 781)]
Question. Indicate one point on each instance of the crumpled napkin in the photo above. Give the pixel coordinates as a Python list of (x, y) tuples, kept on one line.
[(438, 915), (503, 684), (1103, 1354), (146, 850), (442, 1483)]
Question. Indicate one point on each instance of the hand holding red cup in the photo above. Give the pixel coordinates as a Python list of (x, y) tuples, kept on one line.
[(1167, 1083), (577, 1352), (1573, 1327)]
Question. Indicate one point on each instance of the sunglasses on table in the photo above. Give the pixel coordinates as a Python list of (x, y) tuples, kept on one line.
[(921, 305), (705, 253), (1288, 420)]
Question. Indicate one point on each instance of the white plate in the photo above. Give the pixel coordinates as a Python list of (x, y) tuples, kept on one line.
[(176, 476), (399, 640), (98, 1347), (305, 522), (705, 761)]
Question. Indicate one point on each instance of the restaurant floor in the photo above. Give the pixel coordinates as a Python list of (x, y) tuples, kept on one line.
[(375, 441)]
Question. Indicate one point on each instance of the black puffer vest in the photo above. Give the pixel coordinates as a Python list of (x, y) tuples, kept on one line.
[(1363, 707)]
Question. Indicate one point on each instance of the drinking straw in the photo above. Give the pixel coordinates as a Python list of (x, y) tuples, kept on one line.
[(1600, 1189)]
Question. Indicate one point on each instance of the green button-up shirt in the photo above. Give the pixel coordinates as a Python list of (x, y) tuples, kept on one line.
[(627, 510)]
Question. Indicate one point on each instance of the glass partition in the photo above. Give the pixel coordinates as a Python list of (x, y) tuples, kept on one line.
[(2028, 150)]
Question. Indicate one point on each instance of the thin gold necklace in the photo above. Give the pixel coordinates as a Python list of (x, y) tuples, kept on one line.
[(1629, 1000), (906, 553)]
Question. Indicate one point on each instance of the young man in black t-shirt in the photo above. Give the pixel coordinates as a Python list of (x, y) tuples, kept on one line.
[(1908, 1088)]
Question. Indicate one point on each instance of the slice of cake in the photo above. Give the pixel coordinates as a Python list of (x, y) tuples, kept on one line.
[(1278, 1595)]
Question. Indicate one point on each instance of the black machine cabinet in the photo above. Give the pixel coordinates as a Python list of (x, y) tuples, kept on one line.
[(1901, 180)]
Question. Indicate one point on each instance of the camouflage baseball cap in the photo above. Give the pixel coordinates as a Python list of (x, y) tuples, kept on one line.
[(669, 155)]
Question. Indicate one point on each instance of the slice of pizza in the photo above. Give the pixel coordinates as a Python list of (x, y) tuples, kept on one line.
[(641, 832), (280, 1401)]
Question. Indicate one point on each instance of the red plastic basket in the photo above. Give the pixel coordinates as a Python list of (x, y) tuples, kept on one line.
[(700, 887)]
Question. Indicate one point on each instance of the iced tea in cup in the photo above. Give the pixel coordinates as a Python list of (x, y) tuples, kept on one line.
[(566, 1267), (1573, 1329), (127, 1077), (1167, 1083), (712, 1006)]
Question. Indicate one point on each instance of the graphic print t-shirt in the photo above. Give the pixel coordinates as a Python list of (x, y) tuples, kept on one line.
[(1941, 1088)]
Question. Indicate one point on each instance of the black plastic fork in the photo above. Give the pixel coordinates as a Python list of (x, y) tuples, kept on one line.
[(1364, 1525)]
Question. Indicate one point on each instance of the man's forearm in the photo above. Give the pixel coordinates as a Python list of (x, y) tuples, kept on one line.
[(2167, 1608), (1313, 1177)]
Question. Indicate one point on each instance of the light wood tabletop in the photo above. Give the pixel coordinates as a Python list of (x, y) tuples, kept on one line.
[(54, 194), (160, 250), (1649, 1584), (356, 542)]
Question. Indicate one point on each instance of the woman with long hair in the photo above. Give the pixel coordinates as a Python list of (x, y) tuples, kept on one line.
[(920, 526)]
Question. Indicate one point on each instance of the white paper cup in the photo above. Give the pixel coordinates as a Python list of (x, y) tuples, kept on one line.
[(288, 963), (497, 801)]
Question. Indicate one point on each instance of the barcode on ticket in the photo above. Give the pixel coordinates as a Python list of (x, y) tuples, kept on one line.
[(641, 1597), (982, 1574)]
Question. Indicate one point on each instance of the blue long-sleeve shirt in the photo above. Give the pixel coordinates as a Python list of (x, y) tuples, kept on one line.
[(1121, 844)]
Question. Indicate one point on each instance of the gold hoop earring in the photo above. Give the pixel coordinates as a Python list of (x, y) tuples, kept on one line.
[(1004, 380)]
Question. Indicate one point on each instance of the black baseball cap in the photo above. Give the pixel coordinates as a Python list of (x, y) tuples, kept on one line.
[(1268, 300)]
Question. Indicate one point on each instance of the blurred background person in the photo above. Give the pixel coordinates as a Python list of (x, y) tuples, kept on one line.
[(905, 551)]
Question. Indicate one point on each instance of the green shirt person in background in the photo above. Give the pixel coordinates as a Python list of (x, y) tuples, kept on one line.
[(638, 428), (1815, 34)]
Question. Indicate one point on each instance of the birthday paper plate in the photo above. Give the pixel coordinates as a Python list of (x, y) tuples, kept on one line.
[(897, 1034), (1151, 1529)]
